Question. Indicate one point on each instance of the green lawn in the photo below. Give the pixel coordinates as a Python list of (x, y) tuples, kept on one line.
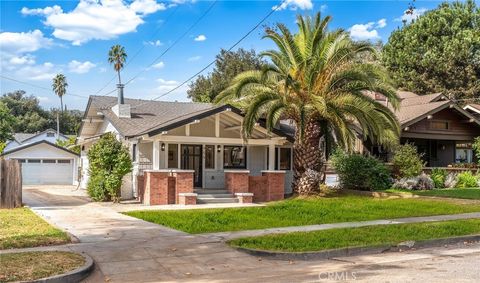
[(467, 193), (297, 212), (21, 228), (359, 237)]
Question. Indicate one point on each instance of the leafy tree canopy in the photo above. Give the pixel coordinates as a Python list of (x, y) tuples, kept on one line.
[(228, 64), (31, 118), (6, 122), (438, 52)]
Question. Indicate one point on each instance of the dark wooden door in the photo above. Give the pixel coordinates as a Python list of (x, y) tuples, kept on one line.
[(192, 160)]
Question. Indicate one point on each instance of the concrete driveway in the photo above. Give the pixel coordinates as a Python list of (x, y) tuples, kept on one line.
[(127, 249)]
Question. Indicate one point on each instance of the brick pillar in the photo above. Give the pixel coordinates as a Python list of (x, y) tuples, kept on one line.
[(275, 184), (187, 198), (156, 187), (140, 187), (183, 182), (236, 181)]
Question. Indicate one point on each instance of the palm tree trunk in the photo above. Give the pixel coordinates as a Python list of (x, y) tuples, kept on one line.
[(119, 80), (61, 104), (307, 160)]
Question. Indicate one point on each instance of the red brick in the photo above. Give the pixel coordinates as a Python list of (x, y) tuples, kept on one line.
[(187, 198), (237, 182), (183, 183)]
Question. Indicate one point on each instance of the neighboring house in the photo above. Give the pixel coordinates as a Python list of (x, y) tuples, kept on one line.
[(473, 109), (201, 137), (437, 126), (43, 162)]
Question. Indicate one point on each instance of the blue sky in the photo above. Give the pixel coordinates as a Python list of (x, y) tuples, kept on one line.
[(41, 38)]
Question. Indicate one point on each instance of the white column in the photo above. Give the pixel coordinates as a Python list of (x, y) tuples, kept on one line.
[(156, 155), (271, 157), (165, 156), (217, 125)]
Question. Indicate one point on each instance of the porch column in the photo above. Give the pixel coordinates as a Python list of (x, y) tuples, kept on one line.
[(156, 155), (271, 157)]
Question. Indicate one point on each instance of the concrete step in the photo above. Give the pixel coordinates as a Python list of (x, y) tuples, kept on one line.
[(204, 195), (216, 200), (211, 191)]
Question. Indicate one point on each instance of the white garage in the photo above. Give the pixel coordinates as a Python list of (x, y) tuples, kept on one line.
[(44, 163)]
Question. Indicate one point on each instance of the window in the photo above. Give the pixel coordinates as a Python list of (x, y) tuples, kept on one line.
[(463, 153), (234, 157), (439, 125), (22, 160), (285, 158), (64, 161), (209, 157), (34, 161), (134, 152), (48, 161), (50, 135), (173, 155)]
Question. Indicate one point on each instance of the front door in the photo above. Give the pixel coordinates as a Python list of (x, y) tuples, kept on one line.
[(192, 160)]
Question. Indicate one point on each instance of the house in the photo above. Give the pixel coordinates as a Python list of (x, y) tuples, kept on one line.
[(473, 109), (437, 126), (43, 162), (171, 141)]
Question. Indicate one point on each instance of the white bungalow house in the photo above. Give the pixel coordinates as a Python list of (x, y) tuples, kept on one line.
[(174, 137)]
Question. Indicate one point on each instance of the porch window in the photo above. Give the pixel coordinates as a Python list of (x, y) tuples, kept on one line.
[(234, 157), (209, 157), (463, 153), (285, 158), (172, 155), (134, 152), (439, 125)]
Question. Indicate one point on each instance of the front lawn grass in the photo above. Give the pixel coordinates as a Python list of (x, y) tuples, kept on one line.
[(21, 228), (359, 237), (30, 266), (298, 212), (467, 193)]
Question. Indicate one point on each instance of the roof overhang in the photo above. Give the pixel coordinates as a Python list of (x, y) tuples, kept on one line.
[(471, 108), (22, 147)]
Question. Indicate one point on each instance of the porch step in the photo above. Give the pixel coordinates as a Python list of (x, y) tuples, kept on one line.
[(211, 191), (214, 195), (216, 200)]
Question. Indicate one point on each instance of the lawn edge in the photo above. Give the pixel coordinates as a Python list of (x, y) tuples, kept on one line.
[(76, 275), (354, 251)]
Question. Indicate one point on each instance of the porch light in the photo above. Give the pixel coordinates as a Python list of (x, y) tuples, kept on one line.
[(219, 148), (162, 147)]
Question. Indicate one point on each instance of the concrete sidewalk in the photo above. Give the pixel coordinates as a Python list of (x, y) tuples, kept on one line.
[(225, 236), (127, 249)]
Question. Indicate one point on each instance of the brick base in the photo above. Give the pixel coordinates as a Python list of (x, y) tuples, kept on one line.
[(236, 181), (187, 198), (244, 197)]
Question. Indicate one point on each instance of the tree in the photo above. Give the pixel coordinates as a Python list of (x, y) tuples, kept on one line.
[(7, 120), (316, 81), (407, 162), (117, 57), (59, 86), (69, 144), (108, 161), (438, 52), (228, 64)]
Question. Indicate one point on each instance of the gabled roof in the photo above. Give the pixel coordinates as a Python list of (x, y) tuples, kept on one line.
[(153, 117), (37, 143), (23, 137), (421, 99), (473, 108)]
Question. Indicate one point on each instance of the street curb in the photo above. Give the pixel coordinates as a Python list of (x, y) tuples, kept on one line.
[(73, 276), (354, 251)]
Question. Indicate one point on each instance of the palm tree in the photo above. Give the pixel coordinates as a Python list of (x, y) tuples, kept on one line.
[(316, 80), (59, 86), (117, 57)]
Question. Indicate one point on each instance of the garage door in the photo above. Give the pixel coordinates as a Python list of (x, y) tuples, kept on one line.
[(47, 171)]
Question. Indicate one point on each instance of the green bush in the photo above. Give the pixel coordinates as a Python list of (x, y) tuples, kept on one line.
[(109, 161), (407, 162), (466, 180), (360, 172), (476, 148), (438, 176)]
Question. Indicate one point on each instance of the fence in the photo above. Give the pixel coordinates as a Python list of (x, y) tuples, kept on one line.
[(10, 184)]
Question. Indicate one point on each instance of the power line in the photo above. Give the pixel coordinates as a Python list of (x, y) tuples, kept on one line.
[(37, 86), (213, 62), (139, 50), (175, 42)]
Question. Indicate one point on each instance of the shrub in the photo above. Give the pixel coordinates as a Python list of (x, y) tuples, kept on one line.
[(421, 182), (466, 180), (407, 162), (476, 147), (360, 172), (438, 176), (109, 162), (450, 180)]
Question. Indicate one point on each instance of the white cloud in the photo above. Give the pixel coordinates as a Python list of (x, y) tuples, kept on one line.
[(381, 23), (323, 8), (22, 60), (166, 85), (201, 37), (159, 65), (364, 31), (80, 67), (96, 19), (409, 17), (294, 5), (153, 43), (43, 98), (21, 42), (39, 11), (40, 72), (194, 58)]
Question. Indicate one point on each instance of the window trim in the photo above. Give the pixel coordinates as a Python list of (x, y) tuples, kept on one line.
[(442, 121), (244, 155), (280, 156), (214, 157)]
